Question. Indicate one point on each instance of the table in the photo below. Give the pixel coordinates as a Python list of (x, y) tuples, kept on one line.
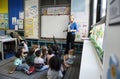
[(4, 39)]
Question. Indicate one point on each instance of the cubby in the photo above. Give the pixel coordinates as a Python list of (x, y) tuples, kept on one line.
[(49, 43)]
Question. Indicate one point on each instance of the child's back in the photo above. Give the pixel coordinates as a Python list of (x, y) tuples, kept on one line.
[(39, 62), (54, 71), (30, 57)]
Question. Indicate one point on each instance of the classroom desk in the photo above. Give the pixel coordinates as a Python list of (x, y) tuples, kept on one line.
[(4, 39)]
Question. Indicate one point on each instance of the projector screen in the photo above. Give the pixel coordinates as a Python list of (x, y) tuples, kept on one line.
[(54, 25)]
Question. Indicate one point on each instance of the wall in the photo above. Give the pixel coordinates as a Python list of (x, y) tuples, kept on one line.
[(3, 6), (111, 43), (80, 9)]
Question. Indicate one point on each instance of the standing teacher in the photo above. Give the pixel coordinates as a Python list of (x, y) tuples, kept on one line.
[(71, 29)]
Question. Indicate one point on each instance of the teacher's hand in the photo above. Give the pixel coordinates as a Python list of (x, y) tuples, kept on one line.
[(64, 30)]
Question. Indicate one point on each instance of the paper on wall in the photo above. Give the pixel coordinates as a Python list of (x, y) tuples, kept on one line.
[(14, 20), (21, 15)]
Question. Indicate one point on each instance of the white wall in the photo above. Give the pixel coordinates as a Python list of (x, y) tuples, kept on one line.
[(80, 10), (111, 44)]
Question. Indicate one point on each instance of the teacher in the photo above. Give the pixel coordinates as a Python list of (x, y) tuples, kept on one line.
[(71, 29)]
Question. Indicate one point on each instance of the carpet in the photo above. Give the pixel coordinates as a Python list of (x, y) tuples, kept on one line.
[(6, 77)]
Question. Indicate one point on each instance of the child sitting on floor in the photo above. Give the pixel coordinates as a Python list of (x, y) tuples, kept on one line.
[(18, 63), (30, 57), (50, 54), (69, 58), (54, 71), (44, 53), (39, 62)]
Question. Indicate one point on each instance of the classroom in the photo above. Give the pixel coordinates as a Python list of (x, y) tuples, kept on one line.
[(59, 39)]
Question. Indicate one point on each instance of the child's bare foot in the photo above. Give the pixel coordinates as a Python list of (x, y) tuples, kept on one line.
[(66, 65), (11, 72)]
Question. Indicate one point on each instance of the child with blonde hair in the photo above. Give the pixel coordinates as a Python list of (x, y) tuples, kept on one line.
[(44, 53), (69, 58)]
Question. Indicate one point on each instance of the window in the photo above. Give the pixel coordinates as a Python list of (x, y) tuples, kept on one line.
[(103, 8), (55, 2), (47, 2)]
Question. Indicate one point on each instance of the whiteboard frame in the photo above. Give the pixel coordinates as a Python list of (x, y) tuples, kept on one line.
[(57, 21)]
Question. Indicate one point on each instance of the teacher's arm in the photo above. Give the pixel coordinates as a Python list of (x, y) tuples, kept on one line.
[(64, 30), (73, 30)]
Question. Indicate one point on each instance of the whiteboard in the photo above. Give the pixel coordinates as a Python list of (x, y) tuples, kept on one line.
[(54, 25)]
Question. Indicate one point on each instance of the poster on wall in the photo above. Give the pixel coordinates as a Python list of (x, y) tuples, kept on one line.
[(114, 69), (14, 20), (31, 16), (20, 24), (32, 11), (4, 21), (1, 16), (21, 15), (4, 24), (29, 30), (58, 10), (55, 11)]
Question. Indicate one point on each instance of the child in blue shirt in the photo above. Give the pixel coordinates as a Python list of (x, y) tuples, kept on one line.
[(18, 63)]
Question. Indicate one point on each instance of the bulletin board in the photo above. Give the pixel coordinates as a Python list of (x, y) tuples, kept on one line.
[(54, 25), (15, 8), (31, 19)]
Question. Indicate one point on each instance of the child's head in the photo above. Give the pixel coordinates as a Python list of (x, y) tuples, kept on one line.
[(55, 47), (31, 52), (55, 63), (71, 52), (35, 47), (19, 53), (38, 53), (44, 49), (50, 51)]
